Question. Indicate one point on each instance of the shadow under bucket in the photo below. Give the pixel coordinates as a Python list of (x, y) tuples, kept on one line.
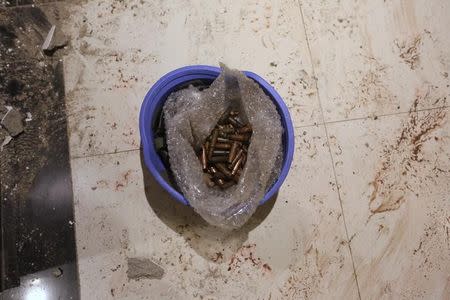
[(180, 78)]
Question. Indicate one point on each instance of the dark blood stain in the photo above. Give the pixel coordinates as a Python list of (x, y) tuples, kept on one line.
[(14, 87), (267, 267), (218, 256), (402, 158)]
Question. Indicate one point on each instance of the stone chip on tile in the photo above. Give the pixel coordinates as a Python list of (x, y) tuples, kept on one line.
[(139, 268)]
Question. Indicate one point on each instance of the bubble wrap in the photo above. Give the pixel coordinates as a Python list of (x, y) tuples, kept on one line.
[(190, 115)]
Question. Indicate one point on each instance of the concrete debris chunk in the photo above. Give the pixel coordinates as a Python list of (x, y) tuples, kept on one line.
[(12, 121), (54, 41), (139, 268), (57, 272)]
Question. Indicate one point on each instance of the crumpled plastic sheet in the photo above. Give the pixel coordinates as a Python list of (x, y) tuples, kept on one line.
[(191, 114)]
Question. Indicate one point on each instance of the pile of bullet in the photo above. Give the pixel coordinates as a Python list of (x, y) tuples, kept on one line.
[(224, 152)]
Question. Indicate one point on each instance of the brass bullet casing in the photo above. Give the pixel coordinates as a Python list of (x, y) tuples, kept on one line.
[(224, 141), (209, 182), (227, 130), (246, 129), (239, 137), (235, 123), (222, 168), (223, 146), (233, 150), (224, 153), (212, 170), (236, 158), (220, 152), (220, 175), (227, 184), (236, 166), (239, 121), (214, 137), (204, 158), (223, 118)]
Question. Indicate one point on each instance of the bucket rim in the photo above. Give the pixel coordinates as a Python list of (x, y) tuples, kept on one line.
[(162, 87)]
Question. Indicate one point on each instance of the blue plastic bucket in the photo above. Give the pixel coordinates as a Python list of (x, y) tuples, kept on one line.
[(157, 95)]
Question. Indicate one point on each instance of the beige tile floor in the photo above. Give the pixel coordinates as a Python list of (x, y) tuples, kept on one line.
[(365, 211)]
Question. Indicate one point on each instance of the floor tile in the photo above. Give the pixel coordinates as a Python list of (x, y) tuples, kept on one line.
[(103, 121), (109, 53), (394, 175), (378, 57), (293, 248)]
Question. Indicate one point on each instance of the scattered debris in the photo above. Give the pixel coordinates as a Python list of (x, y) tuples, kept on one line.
[(12, 121), (29, 117), (139, 268), (57, 272), (410, 52), (402, 159), (54, 41)]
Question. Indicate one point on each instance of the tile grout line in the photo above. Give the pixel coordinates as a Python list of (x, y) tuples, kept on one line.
[(295, 127), (370, 117), (106, 153), (386, 115), (329, 148)]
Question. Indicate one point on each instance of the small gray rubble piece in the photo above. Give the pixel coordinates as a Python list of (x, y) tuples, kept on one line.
[(139, 268), (12, 121)]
